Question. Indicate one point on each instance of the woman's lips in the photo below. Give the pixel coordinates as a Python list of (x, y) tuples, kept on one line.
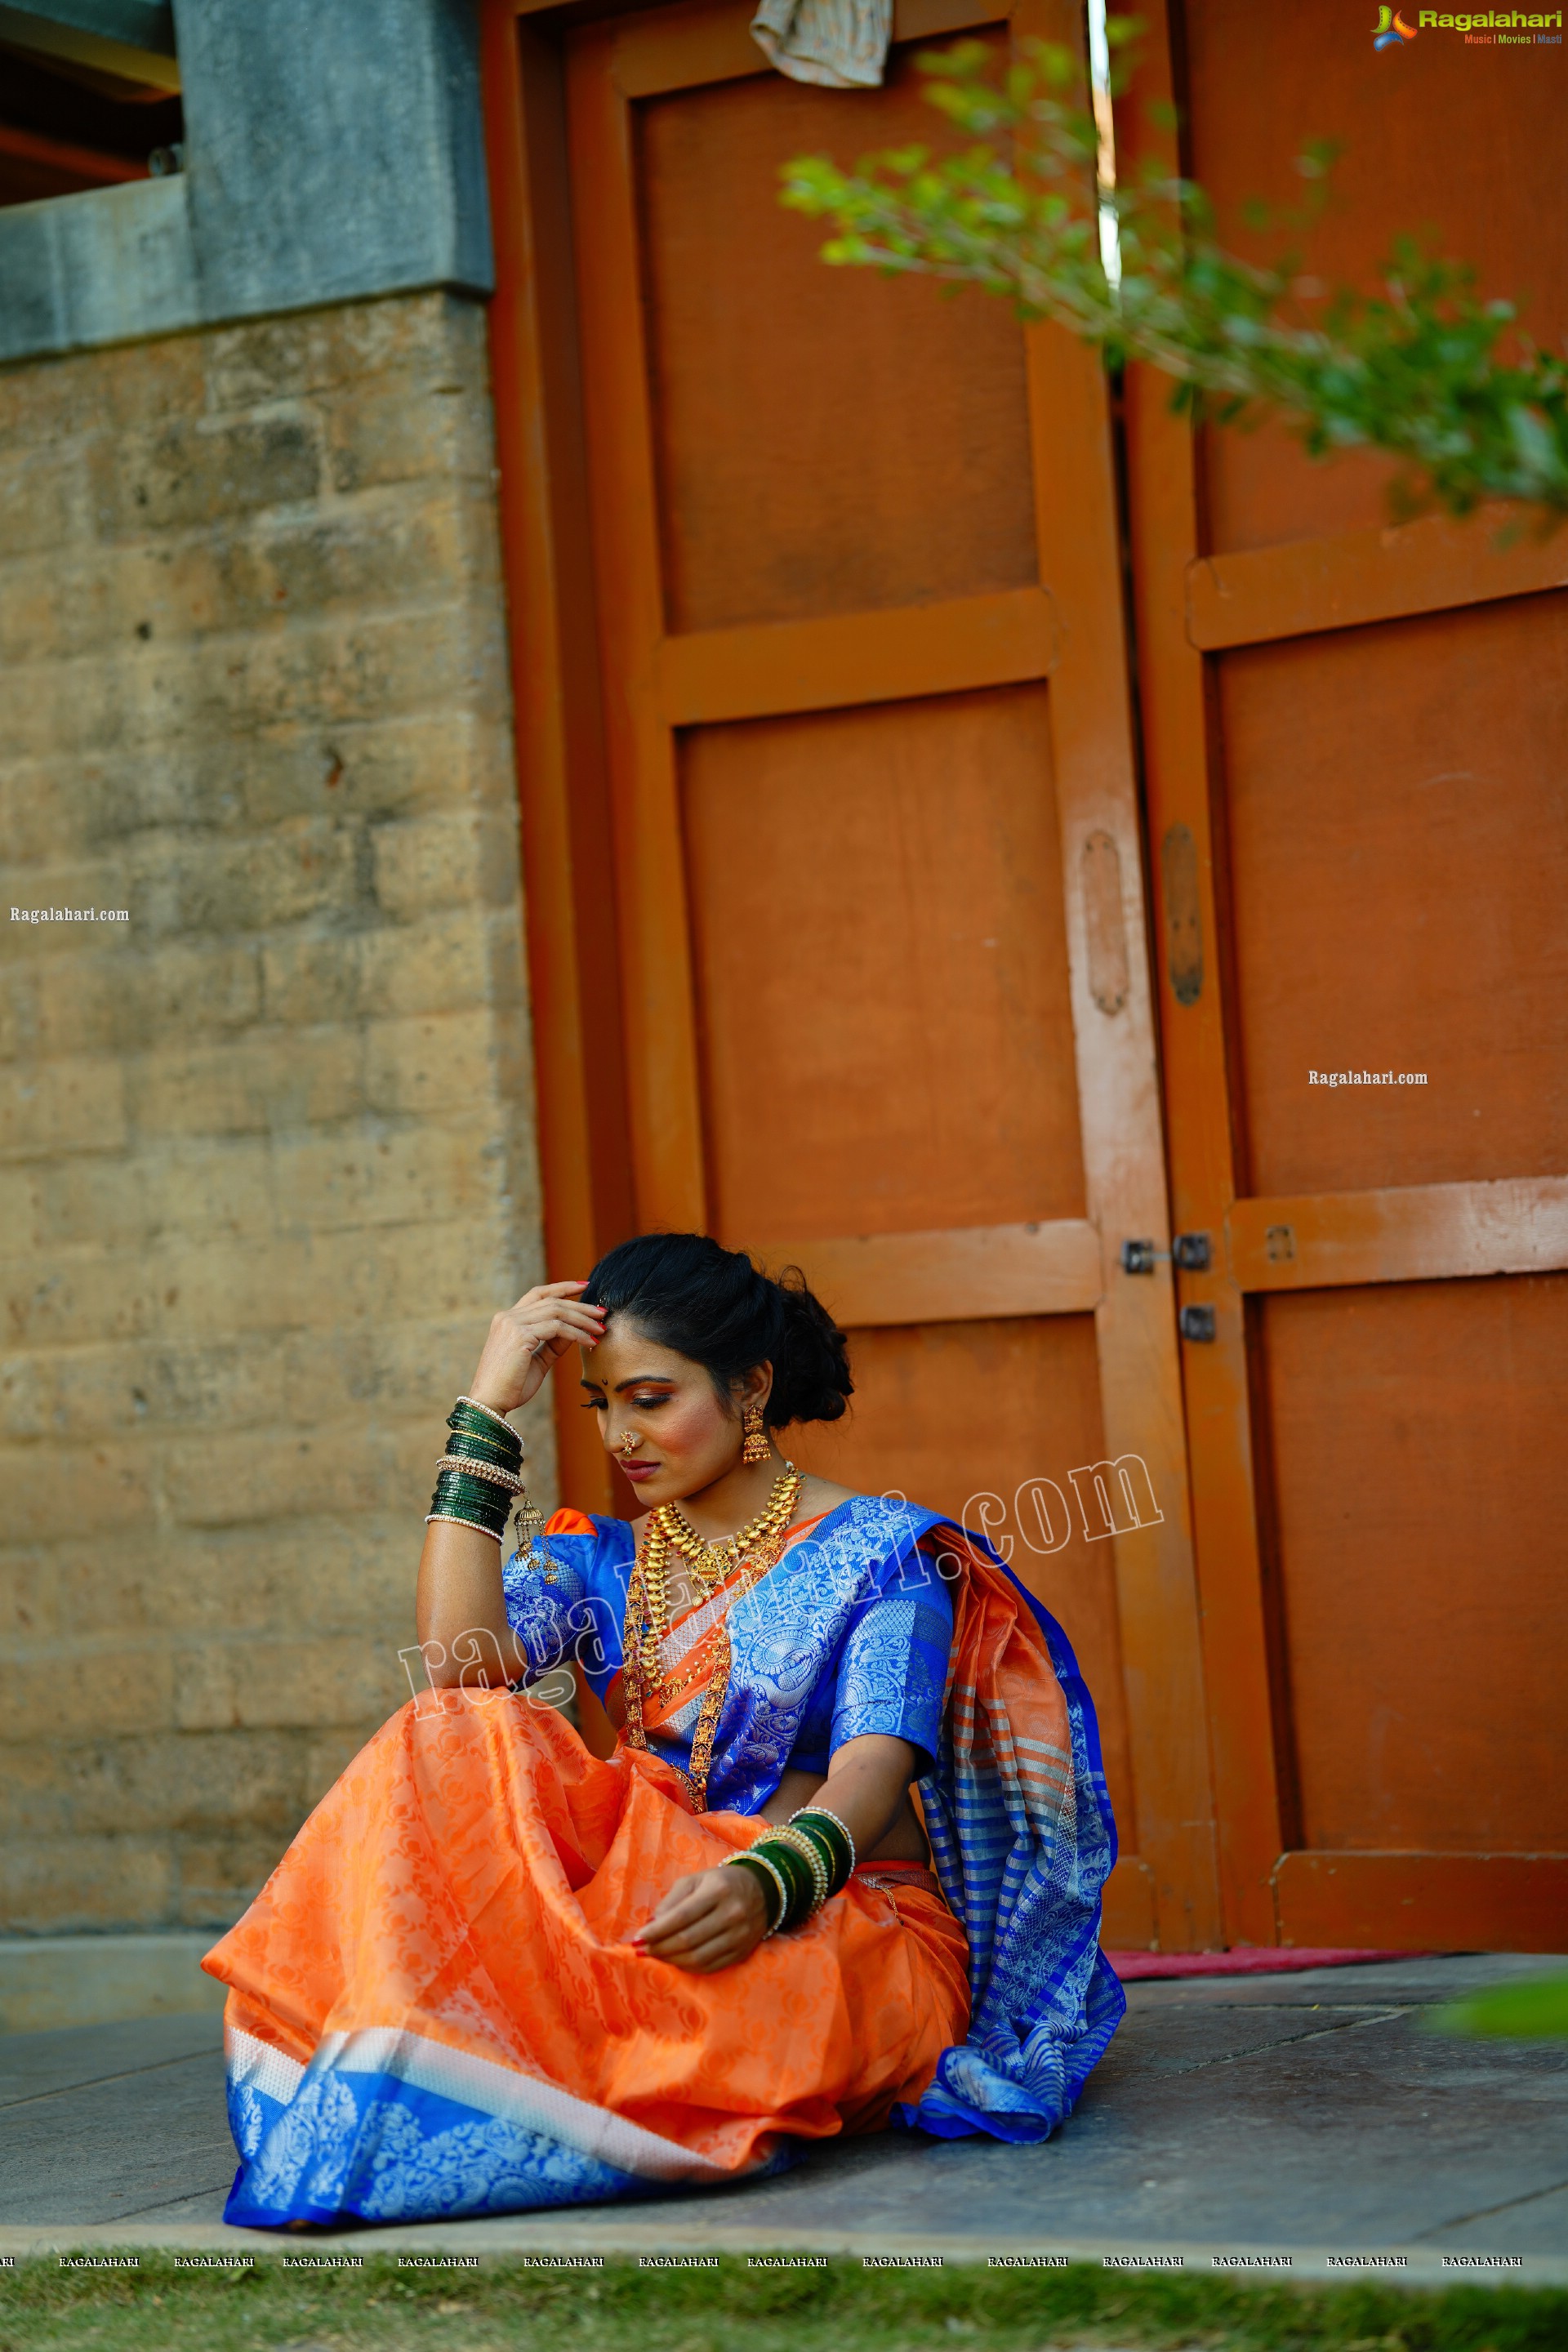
[(636, 1470)]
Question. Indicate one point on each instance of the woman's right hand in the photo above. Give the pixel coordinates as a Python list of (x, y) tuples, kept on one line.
[(708, 1921), (527, 1340)]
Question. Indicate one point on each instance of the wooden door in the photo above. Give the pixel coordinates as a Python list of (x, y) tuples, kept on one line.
[(1355, 757), (876, 856)]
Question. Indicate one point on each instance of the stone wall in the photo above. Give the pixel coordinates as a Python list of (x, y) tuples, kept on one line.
[(268, 1144)]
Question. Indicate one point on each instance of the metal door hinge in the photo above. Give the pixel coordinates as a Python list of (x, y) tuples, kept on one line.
[(1196, 1323)]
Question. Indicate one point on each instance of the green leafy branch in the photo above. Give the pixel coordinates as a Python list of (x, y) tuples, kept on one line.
[(1416, 369)]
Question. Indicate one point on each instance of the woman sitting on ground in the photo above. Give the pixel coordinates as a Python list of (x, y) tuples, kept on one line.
[(843, 1868)]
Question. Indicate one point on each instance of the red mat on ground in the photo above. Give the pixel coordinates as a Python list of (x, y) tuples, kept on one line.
[(1244, 1960)]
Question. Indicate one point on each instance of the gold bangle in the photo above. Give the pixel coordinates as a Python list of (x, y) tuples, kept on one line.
[(489, 1470), (450, 1519)]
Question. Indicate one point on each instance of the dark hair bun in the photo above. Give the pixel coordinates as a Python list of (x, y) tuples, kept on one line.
[(717, 1307), (811, 1370)]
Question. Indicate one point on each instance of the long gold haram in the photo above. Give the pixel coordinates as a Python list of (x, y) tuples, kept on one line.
[(758, 1544)]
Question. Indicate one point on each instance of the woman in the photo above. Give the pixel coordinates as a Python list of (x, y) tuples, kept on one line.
[(843, 1868)]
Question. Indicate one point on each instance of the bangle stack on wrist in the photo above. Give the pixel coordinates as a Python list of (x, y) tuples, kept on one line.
[(831, 1837), (478, 1477), (801, 1866), (775, 1891)]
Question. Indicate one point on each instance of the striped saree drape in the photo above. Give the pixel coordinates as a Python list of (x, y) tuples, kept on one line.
[(1021, 1835)]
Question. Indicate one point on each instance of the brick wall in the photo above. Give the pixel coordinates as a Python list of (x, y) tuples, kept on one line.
[(267, 1147)]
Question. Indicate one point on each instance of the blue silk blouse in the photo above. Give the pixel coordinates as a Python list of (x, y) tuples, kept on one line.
[(847, 1634)]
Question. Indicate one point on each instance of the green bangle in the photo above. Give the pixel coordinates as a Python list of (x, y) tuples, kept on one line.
[(475, 1448), (775, 1893), (828, 1822), (506, 1445), (474, 1497), (487, 1417), (475, 1505), (817, 1861), (834, 1835), (830, 1859), (795, 1872)]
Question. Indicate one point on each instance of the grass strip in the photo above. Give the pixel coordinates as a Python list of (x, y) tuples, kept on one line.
[(158, 2307)]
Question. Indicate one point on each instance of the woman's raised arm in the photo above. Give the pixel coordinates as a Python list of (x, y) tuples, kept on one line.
[(460, 1591)]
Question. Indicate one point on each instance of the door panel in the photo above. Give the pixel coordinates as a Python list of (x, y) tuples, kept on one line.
[(1419, 1498), (1354, 743), (798, 476), (1399, 864), (887, 1029)]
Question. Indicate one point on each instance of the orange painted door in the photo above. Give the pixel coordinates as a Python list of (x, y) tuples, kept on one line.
[(876, 859), (1355, 754)]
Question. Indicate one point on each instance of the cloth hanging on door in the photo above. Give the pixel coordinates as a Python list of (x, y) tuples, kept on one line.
[(842, 44)]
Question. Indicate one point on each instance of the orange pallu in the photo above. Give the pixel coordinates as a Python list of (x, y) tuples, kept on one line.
[(434, 2008)]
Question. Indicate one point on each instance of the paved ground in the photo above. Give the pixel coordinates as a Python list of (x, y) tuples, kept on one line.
[(1308, 2111)]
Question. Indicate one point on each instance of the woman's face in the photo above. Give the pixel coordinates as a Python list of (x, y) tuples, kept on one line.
[(686, 1438)]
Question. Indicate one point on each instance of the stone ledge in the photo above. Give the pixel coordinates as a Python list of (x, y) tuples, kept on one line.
[(103, 268), (333, 154), (48, 1981)]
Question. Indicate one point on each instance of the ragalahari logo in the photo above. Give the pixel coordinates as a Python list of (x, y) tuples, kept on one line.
[(1391, 30)]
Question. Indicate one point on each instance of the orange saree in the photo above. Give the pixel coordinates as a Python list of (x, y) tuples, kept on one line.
[(433, 2007)]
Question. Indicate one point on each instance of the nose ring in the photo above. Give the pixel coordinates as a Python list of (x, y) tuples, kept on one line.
[(627, 1444)]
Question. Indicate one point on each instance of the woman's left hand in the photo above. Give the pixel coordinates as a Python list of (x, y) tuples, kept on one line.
[(708, 1921)]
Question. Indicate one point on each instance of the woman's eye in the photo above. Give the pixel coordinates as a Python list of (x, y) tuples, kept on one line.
[(648, 1404), (593, 1404)]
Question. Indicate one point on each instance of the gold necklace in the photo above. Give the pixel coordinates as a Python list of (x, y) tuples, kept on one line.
[(647, 1610), (669, 1530), (713, 1560)]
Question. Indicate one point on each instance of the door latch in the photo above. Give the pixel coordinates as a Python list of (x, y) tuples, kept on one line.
[(1190, 1252), (1196, 1323)]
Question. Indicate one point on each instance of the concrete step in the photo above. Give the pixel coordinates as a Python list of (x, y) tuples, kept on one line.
[(48, 1981)]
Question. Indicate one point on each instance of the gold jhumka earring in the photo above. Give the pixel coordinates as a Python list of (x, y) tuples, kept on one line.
[(756, 1447)]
